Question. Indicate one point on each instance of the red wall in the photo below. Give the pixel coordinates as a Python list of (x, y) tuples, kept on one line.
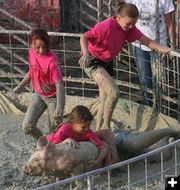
[(43, 13)]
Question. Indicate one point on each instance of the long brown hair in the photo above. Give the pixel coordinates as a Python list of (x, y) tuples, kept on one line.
[(126, 9)]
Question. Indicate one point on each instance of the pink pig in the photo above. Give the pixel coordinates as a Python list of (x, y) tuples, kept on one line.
[(61, 159)]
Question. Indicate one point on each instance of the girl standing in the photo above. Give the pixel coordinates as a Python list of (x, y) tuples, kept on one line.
[(46, 78), (101, 44)]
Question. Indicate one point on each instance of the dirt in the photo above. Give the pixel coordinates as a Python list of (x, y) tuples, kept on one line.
[(16, 147)]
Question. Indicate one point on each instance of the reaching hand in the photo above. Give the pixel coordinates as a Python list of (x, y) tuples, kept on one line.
[(58, 117), (84, 60), (164, 49), (71, 142)]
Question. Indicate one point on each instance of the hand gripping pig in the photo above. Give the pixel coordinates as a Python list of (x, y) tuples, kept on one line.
[(61, 159)]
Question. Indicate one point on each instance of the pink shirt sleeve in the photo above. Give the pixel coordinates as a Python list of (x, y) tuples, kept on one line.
[(94, 34), (91, 136), (134, 34)]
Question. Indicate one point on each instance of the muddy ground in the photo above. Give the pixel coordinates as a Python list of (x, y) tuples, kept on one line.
[(16, 148)]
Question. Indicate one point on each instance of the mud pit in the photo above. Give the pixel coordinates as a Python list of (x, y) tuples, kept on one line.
[(16, 147)]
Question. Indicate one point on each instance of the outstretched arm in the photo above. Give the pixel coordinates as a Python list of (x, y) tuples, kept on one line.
[(22, 84), (154, 45), (171, 29)]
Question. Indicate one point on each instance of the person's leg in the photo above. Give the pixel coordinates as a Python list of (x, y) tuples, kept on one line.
[(107, 136), (51, 106), (143, 63), (99, 120), (167, 154), (33, 113), (137, 143), (105, 82)]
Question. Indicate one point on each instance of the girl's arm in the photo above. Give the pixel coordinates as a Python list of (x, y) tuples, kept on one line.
[(22, 84), (171, 28), (101, 157), (84, 44), (60, 95), (154, 45), (84, 60), (102, 154)]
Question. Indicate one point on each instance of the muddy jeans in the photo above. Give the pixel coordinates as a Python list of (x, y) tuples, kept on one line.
[(35, 109)]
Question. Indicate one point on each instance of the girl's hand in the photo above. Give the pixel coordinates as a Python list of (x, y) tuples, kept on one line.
[(58, 117), (71, 142), (17, 89), (84, 60), (93, 164), (165, 50)]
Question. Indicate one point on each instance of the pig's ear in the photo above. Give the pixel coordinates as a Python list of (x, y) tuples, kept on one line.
[(41, 143), (49, 150)]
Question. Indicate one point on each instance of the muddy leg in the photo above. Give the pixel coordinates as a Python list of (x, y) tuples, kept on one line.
[(167, 154), (144, 140), (34, 132), (106, 82), (100, 109), (94, 106), (107, 136), (110, 104), (33, 113)]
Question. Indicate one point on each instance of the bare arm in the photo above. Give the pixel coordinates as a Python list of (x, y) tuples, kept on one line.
[(84, 44), (60, 95), (84, 60), (102, 154), (154, 45), (26, 80), (170, 28), (101, 157)]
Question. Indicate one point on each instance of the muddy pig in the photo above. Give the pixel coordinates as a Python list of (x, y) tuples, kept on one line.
[(62, 159)]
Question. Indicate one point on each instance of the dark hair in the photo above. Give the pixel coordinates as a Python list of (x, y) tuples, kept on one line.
[(126, 9), (80, 114), (40, 34)]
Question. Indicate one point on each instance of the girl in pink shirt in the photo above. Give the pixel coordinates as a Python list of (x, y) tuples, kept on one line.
[(101, 44), (78, 129), (46, 78)]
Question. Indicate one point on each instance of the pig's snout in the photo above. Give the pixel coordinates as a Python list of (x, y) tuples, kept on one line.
[(26, 170)]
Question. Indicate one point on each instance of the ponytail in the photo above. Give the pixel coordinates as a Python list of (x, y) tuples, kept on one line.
[(126, 9), (119, 5)]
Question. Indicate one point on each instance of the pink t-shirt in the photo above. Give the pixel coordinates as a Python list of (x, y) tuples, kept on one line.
[(106, 39), (44, 70), (65, 131)]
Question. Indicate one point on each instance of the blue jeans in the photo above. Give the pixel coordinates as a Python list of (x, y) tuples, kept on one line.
[(143, 62)]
